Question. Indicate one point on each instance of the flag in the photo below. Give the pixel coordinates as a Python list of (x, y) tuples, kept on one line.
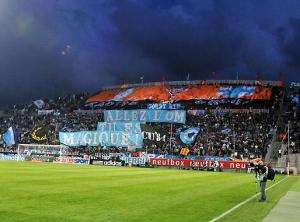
[(189, 135), (39, 103), (184, 151), (40, 134), (9, 137)]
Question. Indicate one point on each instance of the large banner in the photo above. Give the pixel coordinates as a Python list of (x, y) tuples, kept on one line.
[(213, 92), (154, 134), (129, 127), (145, 115), (162, 93), (188, 163), (95, 138)]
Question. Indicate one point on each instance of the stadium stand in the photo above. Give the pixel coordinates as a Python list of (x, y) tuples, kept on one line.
[(238, 119)]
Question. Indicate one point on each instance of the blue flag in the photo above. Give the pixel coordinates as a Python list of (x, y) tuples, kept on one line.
[(9, 137), (189, 135)]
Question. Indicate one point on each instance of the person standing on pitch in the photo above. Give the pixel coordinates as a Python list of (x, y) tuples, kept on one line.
[(261, 175)]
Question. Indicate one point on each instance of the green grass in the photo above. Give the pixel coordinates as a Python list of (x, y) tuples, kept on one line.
[(296, 185), (52, 192)]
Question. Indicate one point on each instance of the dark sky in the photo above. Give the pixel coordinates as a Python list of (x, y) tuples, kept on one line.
[(52, 47)]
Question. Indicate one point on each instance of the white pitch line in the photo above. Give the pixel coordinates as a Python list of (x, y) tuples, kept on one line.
[(242, 203)]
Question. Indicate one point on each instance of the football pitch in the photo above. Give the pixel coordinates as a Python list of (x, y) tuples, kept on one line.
[(54, 192)]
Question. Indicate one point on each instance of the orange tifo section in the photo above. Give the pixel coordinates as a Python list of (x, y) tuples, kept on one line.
[(103, 96), (198, 92), (161, 93), (261, 93), (153, 93)]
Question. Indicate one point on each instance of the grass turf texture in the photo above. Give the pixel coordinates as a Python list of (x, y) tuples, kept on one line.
[(50, 192)]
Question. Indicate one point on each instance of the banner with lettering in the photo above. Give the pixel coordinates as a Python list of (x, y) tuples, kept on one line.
[(135, 161), (166, 106), (154, 134), (188, 163), (145, 115), (129, 127), (95, 138)]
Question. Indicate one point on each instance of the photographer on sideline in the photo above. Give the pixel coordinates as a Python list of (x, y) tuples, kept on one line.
[(261, 173)]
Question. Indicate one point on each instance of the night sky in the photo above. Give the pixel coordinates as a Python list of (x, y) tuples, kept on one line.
[(53, 47)]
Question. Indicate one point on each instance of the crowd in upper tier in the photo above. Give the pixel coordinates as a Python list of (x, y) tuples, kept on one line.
[(240, 134)]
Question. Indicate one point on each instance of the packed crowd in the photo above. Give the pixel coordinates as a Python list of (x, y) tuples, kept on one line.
[(62, 114), (233, 134), (241, 135)]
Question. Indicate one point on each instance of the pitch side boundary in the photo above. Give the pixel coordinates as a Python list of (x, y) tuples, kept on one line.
[(242, 203)]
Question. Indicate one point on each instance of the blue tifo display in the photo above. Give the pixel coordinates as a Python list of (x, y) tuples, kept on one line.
[(121, 128), (145, 115), (106, 138)]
